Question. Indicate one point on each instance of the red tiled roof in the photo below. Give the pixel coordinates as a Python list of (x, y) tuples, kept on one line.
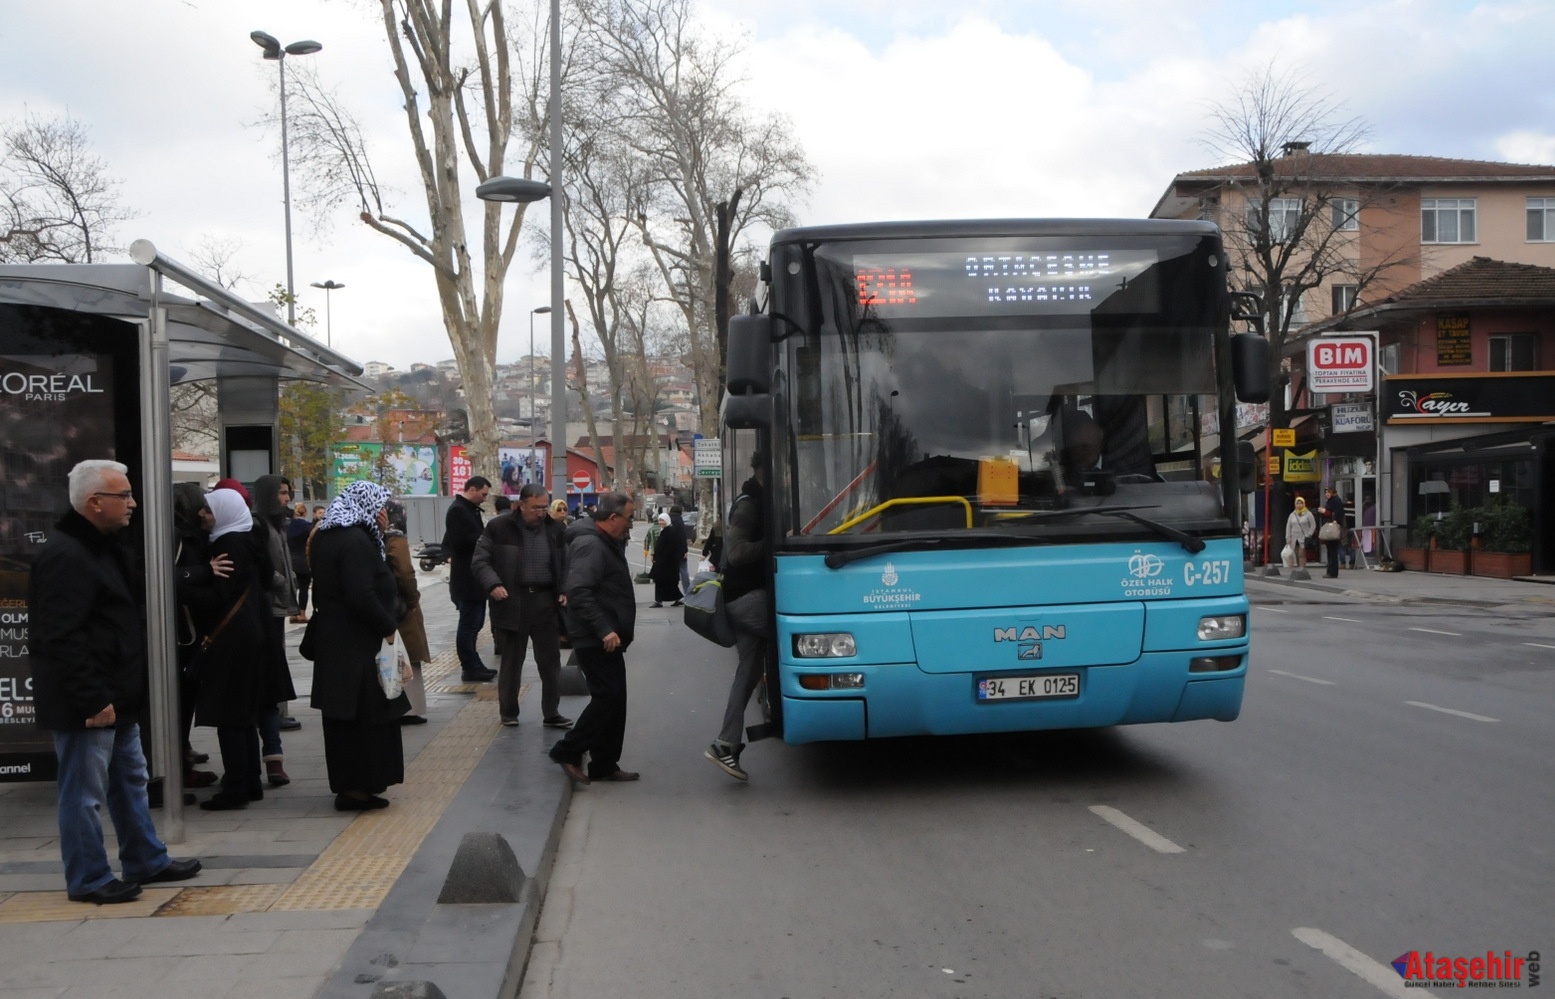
[(1479, 279), (1359, 167)]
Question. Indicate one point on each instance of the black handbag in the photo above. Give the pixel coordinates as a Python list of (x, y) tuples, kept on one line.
[(705, 612)]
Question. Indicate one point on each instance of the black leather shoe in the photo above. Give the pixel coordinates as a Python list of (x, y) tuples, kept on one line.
[(621, 776), (413, 719), (290, 724), (479, 676), (112, 893), (178, 870), (224, 802), (346, 803)]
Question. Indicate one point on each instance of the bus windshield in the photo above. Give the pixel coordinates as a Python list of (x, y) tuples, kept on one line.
[(1014, 385)]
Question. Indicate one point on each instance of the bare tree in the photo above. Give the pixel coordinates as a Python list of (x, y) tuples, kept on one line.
[(57, 200), (1291, 209), (456, 79), (676, 110)]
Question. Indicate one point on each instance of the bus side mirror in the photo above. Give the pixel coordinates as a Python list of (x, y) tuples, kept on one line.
[(749, 358), (748, 412), (1250, 367), (1246, 467)]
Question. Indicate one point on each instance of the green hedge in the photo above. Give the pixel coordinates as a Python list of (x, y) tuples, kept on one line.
[(1504, 527)]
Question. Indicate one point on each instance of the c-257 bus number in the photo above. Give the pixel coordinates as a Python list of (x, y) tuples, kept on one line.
[(1210, 572)]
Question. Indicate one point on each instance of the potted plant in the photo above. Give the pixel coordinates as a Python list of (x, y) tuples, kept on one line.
[(1450, 544), (1505, 540)]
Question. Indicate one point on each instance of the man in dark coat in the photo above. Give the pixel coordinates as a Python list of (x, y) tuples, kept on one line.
[(520, 562), (601, 616), (88, 652), (462, 530)]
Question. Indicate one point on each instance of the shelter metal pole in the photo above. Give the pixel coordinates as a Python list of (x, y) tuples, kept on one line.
[(156, 492)]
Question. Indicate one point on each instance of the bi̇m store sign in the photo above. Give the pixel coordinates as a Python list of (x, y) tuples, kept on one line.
[(1486, 397)]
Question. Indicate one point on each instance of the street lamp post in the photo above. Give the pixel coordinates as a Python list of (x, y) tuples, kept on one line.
[(535, 312), (329, 321), (274, 50)]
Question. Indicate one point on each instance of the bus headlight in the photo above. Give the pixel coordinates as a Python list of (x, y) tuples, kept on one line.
[(831, 645), (1222, 627)]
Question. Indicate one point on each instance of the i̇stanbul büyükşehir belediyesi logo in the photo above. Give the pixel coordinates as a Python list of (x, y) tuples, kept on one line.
[(1423, 970)]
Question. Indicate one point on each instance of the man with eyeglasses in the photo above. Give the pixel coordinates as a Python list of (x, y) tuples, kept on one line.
[(521, 564), (601, 616), (88, 652)]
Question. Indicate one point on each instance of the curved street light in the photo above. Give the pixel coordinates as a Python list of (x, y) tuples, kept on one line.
[(274, 50)]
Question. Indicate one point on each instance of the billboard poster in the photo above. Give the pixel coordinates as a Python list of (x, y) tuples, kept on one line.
[(459, 470), (59, 382), (521, 466), (402, 469)]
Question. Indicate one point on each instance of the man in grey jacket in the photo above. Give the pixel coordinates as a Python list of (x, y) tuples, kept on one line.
[(520, 562), (601, 617)]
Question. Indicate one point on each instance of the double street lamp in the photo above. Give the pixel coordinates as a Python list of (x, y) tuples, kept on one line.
[(274, 50), (329, 322)]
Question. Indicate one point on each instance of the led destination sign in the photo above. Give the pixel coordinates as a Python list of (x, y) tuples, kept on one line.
[(909, 284)]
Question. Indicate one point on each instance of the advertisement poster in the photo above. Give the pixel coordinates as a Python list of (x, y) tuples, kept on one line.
[(521, 466), (55, 410), (402, 469), (459, 470)]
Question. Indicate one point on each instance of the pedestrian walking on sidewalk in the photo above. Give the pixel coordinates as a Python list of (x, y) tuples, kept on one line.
[(353, 601), (412, 626), (89, 668), (601, 619), (1333, 513), (1300, 527), (462, 529), (521, 564)]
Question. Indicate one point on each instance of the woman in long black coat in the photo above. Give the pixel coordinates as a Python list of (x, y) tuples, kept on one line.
[(353, 613), (669, 554), (232, 672)]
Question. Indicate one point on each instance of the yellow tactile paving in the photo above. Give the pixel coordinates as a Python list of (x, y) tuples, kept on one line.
[(355, 871)]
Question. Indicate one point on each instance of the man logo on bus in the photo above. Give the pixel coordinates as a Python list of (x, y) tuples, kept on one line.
[(1145, 566), (1028, 639)]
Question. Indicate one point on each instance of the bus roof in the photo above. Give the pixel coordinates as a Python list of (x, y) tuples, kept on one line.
[(995, 227)]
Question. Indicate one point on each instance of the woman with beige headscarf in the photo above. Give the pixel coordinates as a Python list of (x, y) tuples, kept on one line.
[(1300, 526)]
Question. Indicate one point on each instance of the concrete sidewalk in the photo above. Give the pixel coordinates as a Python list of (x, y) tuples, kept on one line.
[(297, 899), (1409, 587)]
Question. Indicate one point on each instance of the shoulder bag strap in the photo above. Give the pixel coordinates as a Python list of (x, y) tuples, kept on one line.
[(210, 639)]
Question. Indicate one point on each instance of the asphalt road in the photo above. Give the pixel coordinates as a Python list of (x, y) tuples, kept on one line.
[(1388, 788)]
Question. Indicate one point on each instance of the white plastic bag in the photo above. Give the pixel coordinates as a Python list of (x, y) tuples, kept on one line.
[(390, 669), (1288, 557)]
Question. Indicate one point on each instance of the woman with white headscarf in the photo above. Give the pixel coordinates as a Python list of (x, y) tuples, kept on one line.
[(353, 613), (231, 672)]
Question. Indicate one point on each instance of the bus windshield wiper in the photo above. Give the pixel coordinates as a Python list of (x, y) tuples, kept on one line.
[(836, 560), (1192, 544)]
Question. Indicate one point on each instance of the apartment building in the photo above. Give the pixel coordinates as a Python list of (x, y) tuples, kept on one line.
[(1452, 262)]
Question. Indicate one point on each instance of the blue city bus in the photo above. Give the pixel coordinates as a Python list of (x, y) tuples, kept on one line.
[(1003, 490)]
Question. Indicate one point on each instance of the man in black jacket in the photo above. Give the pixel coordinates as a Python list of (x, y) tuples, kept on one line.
[(462, 529), (88, 652), (601, 616), (520, 562)]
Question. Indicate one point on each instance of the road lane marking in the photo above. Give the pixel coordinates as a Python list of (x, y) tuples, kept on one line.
[(1274, 610), (1139, 831), (1298, 676), (1356, 963), (1433, 631), (1538, 645), (1330, 617), (1450, 711)]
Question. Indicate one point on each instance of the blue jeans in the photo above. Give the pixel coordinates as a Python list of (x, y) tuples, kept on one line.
[(472, 618), (270, 732), (99, 766)]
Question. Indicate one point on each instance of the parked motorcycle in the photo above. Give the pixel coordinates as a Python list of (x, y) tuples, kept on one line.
[(431, 556)]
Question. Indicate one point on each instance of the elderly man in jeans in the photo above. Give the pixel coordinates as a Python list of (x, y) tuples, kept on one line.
[(88, 653)]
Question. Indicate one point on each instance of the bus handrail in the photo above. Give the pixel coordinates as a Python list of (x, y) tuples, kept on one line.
[(903, 501)]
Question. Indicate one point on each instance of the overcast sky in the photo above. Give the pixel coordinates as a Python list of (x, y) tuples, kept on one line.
[(906, 108)]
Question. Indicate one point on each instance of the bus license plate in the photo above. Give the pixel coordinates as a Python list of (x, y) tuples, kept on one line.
[(1022, 688)]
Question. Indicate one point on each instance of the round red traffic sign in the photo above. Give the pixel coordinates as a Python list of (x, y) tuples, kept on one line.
[(581, 482)]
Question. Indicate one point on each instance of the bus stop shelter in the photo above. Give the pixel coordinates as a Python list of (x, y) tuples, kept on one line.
[(89, 354)]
